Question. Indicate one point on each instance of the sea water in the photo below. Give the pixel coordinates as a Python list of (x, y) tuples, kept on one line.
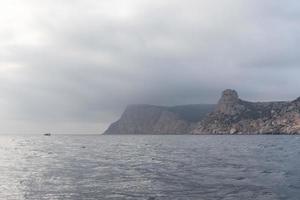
[(150, 167)]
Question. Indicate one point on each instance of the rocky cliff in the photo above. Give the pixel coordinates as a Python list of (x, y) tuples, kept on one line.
[(230, 116), (235, 116), (149, 119)]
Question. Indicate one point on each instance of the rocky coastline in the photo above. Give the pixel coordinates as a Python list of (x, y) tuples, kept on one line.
[(231, 115)]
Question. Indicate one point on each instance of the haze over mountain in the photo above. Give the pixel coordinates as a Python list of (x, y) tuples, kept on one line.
[(71, 66), (230, 116), (150, 119)]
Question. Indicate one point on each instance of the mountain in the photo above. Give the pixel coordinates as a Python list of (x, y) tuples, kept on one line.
[(231, 115), (235, 116), (150, 119)]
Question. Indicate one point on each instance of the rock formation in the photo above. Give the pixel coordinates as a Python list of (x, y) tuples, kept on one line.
[(149, 119), (235, 116), (230, 116)]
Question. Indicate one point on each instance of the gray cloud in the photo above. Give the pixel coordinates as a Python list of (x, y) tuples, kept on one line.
[(74, 65)]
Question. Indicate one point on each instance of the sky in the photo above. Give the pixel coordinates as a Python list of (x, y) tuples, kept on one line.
[(72, 66)]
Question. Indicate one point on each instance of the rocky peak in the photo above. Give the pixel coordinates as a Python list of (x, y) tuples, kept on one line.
[(229, 96), (228, 103)]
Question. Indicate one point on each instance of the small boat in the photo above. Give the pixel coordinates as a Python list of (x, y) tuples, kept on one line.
[(47, 134)]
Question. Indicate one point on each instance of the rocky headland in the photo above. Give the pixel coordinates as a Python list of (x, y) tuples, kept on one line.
[(231, 115), (150, 119)]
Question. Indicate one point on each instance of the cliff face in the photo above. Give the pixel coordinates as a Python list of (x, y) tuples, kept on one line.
[(230, 116), (235, 116), (148, 119)]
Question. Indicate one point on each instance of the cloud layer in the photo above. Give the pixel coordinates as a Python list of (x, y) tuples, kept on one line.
[(72, 66)]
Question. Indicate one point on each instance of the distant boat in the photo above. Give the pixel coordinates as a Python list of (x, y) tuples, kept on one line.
[(47, 134)]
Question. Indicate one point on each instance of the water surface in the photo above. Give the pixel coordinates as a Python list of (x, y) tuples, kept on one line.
[(149, 167)]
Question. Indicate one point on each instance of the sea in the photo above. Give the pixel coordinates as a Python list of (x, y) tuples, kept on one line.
[(149, 167)]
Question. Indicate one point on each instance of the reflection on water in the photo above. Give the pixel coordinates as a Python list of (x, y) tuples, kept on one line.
[(150, 167)]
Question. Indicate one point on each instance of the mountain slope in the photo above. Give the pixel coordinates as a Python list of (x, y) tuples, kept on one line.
[(231, 115), (149, 119), (235, 116)]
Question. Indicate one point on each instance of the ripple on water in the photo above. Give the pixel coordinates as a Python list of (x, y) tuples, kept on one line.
[(149, 167)]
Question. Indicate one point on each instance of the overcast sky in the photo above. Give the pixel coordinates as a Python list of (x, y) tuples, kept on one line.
[(71, 66)]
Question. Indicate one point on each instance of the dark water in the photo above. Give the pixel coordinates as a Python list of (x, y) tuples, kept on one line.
[(150, 167)]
